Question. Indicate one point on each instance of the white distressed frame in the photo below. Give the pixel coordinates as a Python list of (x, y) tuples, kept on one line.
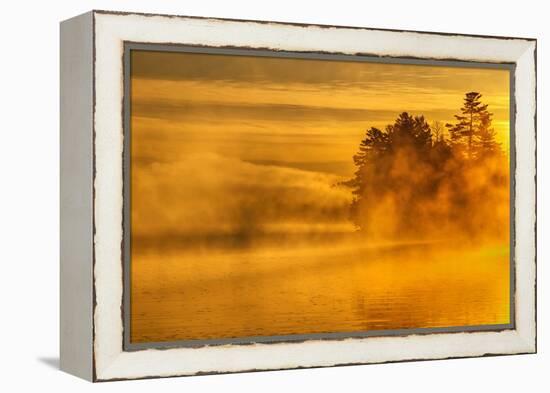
[(111, 30)]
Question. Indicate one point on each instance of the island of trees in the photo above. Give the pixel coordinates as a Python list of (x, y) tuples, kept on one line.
[(418, 180)]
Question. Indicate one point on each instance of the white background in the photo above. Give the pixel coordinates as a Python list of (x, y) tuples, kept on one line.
[(29, 197)]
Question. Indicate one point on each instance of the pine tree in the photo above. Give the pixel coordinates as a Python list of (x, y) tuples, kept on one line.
[(369, 157), (410, 131), (375, 142), (463, 132), (485, 142)]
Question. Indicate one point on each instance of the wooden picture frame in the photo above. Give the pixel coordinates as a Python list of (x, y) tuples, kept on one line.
[(95, 193)]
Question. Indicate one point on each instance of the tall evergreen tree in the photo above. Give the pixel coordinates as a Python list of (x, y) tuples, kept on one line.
[(367, 160), (375, 143), (464, 130), (410, 131)]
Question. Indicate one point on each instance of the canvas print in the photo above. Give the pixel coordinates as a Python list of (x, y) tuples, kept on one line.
[(280, 197)]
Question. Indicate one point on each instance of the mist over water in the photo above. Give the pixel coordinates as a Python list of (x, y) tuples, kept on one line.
[(269, 251), (263, 291)]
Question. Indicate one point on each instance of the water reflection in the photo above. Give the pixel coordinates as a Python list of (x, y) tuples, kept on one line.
[(345, 287)]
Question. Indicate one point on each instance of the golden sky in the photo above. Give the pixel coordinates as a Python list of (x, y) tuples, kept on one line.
[(204, 126), (249, 107)]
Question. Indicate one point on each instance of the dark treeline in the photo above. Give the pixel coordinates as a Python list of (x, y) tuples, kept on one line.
[(419, 180)]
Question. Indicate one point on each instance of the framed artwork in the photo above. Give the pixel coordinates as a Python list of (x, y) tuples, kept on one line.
[(245, 195)]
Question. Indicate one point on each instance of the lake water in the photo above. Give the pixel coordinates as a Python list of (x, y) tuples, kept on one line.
[(268, 290)]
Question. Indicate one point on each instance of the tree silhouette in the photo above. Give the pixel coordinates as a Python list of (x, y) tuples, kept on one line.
[(376, 142), (382, 165), (409, 131), (411, 181), (463, 131), (368, 159), (438, 131)]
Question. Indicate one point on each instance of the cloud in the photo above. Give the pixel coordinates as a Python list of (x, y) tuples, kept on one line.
[(191, 109), (176, 66)]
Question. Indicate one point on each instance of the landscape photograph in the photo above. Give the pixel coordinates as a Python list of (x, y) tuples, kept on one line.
[(292, 196)]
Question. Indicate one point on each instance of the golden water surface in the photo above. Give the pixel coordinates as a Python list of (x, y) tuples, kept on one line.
[(270, 291)]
